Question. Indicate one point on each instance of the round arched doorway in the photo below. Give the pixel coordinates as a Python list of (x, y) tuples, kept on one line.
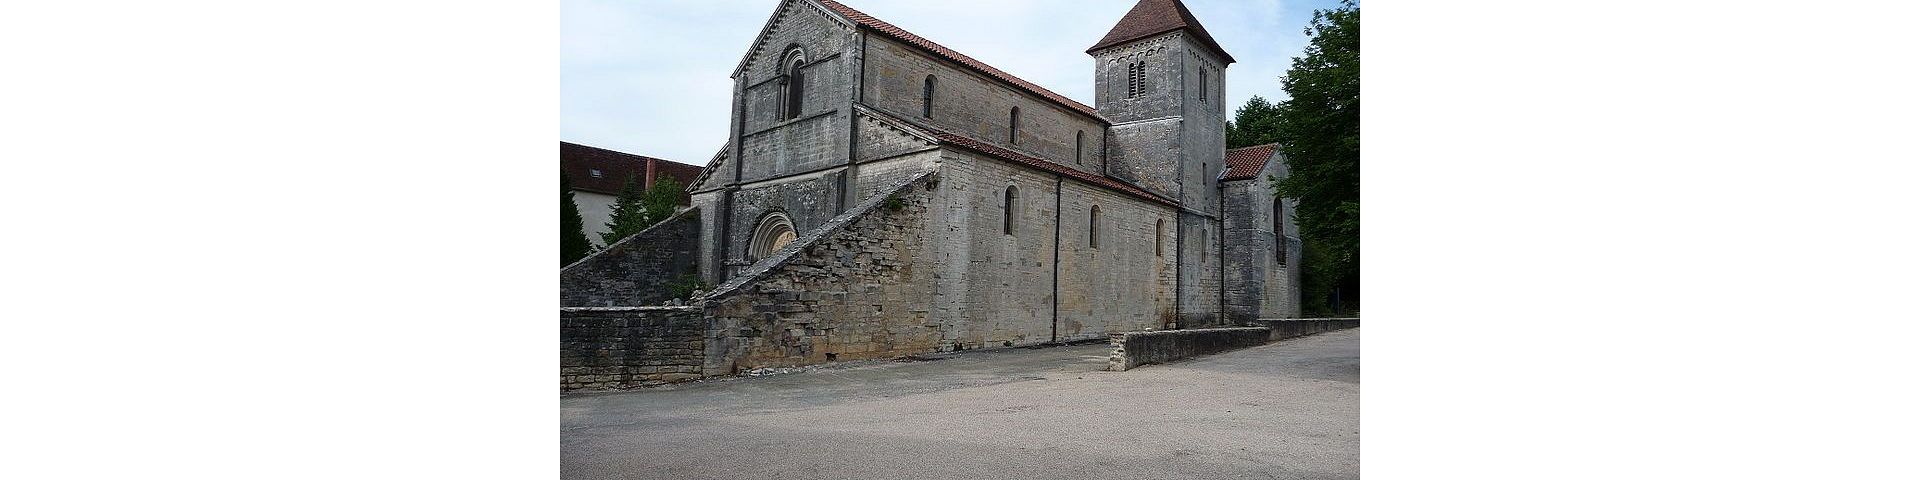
[(775, 231)]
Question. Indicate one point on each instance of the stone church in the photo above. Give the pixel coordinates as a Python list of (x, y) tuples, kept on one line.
[(883, 195)]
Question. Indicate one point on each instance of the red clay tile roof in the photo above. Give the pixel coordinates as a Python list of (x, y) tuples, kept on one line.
[(1245, 162), (897, 33), (1154, 17), (949, 138), (579, 161), (1042, 164)]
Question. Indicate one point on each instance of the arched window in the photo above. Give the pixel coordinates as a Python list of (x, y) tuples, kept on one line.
[(1006, 217), (926, 98), (796, 84), (1079, 145), (1093, 227), (1159, 237), (1013, 126), (1143, 77), (1280, 230), (1133, 81), (1203, 85), (775, 231), (1136, 79)]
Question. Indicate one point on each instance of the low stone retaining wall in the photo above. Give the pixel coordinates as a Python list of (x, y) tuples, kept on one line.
[(623, 347), (1285, 328), (1133, 349)]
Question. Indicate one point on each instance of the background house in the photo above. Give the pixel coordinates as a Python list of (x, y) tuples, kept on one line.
[(598, 174)]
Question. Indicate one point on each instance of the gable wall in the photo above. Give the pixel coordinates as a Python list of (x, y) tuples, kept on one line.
[(1258, 285), (817, 137)]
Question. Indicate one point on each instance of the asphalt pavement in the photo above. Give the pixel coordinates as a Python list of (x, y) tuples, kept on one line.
[(1286, 410)]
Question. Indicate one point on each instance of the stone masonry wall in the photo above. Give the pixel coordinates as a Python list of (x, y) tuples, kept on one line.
[(992, 288), (1200, 269), (1163, 76), (1258, 284), (1133, 349), (971, 104), (846, 291), (1147, 154), (809, 201), (1127, 281), (623, 347), (1203, 137), (636, 270)]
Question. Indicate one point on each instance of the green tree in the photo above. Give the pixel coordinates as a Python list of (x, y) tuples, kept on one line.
[(1319, 131), (573, 235), (661, 199), (636, 209), (1256, 123)]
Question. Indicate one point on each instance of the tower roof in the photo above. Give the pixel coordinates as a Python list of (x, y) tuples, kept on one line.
[(1154, 17)]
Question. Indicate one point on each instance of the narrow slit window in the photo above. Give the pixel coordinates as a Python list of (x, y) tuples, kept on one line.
[(1079, 146), (1006, 216), (1279, 230), (1159, 237), (1093, 227), (1203, 85), (926, 98), (1013, 126), (1135, 79), (1203, 246)]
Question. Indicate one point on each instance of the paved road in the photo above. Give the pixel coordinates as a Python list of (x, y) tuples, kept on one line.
[(1285, 410)]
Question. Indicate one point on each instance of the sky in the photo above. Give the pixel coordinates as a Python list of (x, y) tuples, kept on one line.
[(650, 77)]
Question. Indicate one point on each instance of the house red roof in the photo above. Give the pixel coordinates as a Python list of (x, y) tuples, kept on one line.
[(1245, 162), (581, 161), (1154, 17), (897, 33)]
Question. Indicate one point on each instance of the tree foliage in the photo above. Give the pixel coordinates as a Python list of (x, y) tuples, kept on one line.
[(573, 235), (636, 209), (662, 199), (1256, 123), (1319, 131)]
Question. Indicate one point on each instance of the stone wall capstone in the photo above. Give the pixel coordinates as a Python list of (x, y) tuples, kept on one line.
[(1285, 328)]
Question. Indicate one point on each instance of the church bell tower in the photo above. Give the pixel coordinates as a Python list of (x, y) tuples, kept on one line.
[(1159, 77)]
